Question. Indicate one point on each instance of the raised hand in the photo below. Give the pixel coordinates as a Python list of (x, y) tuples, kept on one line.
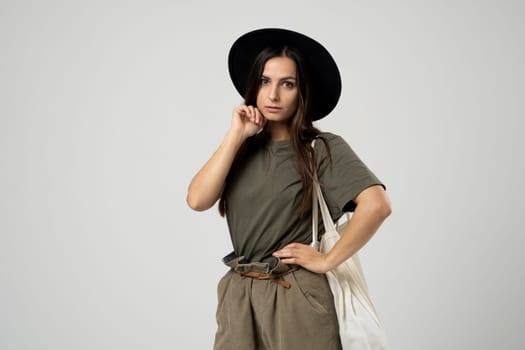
[(247, 121)]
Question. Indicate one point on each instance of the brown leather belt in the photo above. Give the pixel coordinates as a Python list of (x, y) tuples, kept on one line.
[(266, 276)]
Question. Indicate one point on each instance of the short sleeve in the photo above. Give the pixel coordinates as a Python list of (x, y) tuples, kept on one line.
[(345, 178)]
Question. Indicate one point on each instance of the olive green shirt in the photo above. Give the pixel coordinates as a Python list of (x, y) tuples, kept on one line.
[(266, 188)]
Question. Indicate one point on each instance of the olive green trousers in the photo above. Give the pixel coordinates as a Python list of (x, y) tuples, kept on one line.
[(254, 314)]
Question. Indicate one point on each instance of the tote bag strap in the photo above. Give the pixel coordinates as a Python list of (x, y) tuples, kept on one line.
[(315, 225), (319, 201), (357, 281)]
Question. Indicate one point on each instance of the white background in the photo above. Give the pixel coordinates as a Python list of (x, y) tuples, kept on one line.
[(108, 108)]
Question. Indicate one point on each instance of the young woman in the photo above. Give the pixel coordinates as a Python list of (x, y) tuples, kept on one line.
[(275, 294)]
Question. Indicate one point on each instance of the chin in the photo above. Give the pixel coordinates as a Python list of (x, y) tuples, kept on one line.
[(276, 118)]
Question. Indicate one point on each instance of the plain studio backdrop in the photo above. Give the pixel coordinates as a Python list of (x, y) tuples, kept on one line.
[(108, 108)]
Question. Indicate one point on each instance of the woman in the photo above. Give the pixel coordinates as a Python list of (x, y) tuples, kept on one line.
[(276, 295)]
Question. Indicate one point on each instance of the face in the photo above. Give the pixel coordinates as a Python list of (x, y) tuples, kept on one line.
[(278, 92)]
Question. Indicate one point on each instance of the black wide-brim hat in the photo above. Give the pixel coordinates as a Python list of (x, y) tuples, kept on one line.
[(323, 71)]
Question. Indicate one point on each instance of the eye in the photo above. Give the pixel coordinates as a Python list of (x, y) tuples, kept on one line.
[(264, 81), (288, 84)]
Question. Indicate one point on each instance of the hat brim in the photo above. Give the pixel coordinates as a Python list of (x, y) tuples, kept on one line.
[(324, 74)]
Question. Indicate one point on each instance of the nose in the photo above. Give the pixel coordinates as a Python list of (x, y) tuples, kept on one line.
[(274, 93)]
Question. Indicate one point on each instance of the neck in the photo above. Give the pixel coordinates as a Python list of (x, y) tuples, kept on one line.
[(278, 131)]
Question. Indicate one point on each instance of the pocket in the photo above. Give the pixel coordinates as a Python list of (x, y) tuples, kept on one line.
[(314, 291)]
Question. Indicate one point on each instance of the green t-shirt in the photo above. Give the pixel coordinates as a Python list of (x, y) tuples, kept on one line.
[(266, 188)]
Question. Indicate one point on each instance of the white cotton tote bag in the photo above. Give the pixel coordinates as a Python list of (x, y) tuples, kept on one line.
[(359, 325)]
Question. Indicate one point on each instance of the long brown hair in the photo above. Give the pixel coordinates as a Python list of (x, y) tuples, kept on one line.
[(302, 130)]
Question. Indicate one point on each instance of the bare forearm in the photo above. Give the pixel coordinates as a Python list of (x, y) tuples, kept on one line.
[(207, 185), (364, 223)]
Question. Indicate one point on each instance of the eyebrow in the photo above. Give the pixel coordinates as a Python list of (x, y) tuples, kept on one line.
[(285, 78)]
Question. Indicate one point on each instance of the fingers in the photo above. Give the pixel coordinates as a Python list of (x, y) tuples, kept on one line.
[(289, 254), (255, 116), (260, 119), (290, 261), (290, 250), (252, 114), (244, 111), (303, 255)]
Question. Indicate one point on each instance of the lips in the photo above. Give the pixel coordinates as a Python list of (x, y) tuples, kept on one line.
[(272, 109)]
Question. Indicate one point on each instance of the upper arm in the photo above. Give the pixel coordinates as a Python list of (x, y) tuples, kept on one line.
[(374, 195)]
